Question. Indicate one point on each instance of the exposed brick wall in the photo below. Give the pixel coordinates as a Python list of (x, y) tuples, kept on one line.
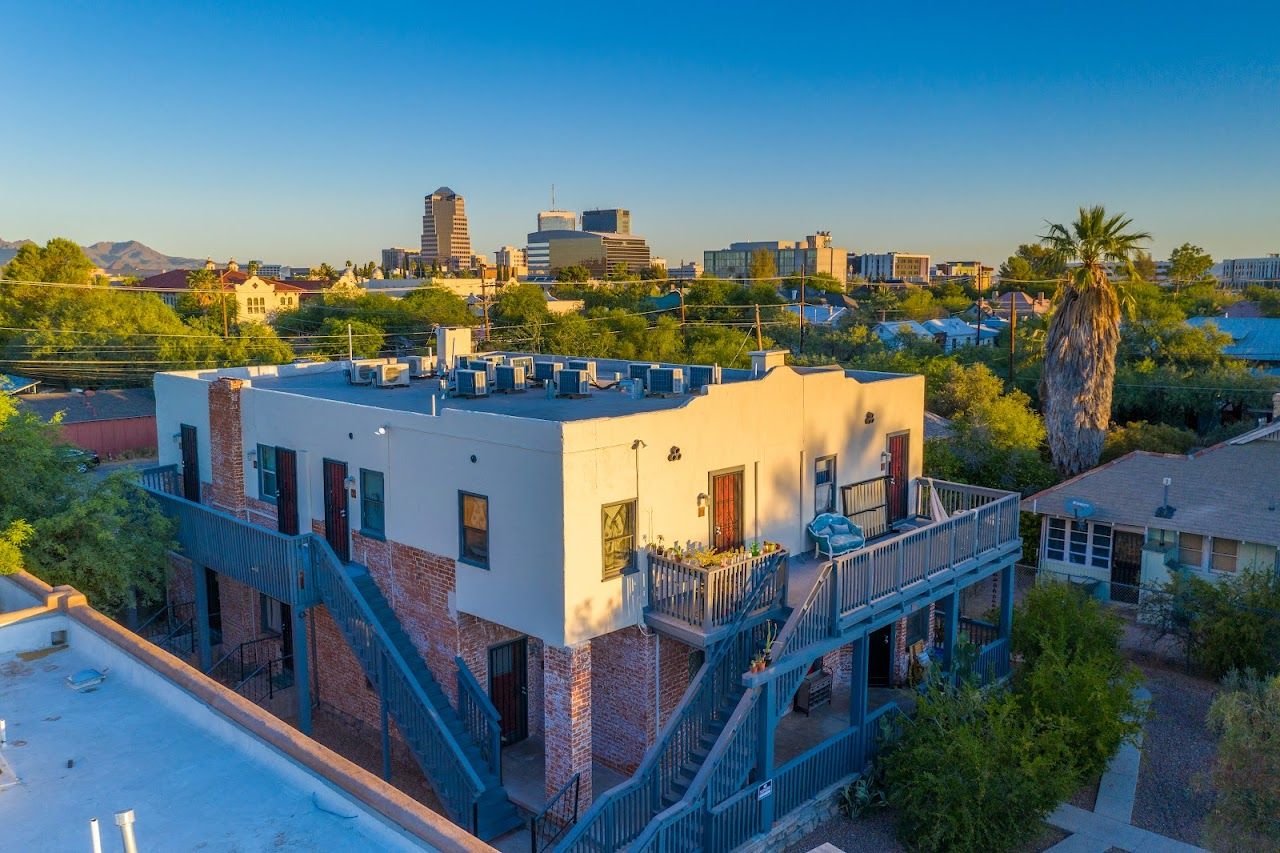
[(238, 605), (622, 697), (568, 718), (674, 680), (840, 662), (340, 680), (422, 593), (261, 512), (226, 446)]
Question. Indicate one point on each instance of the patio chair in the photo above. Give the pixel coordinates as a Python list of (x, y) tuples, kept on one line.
[(834, 535)]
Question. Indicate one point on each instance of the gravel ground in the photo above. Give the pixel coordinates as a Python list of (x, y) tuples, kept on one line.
[(1087, 797), (878, 834)]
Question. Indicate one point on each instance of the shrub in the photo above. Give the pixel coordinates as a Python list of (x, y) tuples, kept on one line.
[(1058, 617), (1088, 701), (1246, 773), (972, 772)]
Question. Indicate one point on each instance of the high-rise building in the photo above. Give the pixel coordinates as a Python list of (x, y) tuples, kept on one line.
[(613, 220), (397, 259), (551, 251), (811, 256), (894, 266), (445, 239), (557, 220)]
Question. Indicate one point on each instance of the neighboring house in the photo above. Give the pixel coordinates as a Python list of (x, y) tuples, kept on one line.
[(1015, 301), (953, 334), (257, 298), (895, 332), (107, 422), (1113, 527), (528, 551), (10, 384), (1254, 339), (936, 426), (820, 315)]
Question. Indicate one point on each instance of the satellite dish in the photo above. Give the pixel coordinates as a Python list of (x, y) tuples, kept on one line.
[(1079, 507)]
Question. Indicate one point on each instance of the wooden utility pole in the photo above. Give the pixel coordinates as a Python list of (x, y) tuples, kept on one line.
[(680, 290), (1013, 340), (226, 329), (802, 294), (484, 306), (759, 335)]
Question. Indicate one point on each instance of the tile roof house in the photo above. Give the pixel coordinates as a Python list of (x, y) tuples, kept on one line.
[(1132, 521), (1025, 306), (257, 298)]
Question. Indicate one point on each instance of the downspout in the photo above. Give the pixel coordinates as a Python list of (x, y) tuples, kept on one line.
[(657, 685)]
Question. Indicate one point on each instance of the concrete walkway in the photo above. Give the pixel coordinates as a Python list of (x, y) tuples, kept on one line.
[(1108, 825)]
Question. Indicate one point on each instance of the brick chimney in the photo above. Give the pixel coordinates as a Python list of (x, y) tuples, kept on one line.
[(226, 446)]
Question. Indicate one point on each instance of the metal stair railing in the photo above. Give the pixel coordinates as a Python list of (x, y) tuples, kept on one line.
[(480, 717), (557, 817), (447, 769), (624, 812)]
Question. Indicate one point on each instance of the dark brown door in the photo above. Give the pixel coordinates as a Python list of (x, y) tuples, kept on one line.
[(214, 596), (287, 491), (509, 688), (335, 508), (190, 462), (726, 510), (898, 445), (880, 657), (1126, 566)]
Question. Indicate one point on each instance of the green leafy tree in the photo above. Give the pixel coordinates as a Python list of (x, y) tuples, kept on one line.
[(431, 306), (1140, 435), (1084, 334), (336, 335), (1033, 269), (761, 266), (207, 297), (59, 260), (574, 272), (653, 273), (325, 272), (108, 539), (1189, 264)]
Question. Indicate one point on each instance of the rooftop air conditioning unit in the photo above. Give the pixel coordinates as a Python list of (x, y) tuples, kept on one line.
[(573, 383), (700, 376), (640, 371), (525, 361), (545, 371), (510, 378), (665, 381), (360, 372), (588, 366), (471, 383), (420, 366), (391, 376)]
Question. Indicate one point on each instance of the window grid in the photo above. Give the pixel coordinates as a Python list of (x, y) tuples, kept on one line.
[(618, 538), (268, 486)]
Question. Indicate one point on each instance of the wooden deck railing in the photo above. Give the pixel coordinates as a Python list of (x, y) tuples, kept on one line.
[(709, 599)]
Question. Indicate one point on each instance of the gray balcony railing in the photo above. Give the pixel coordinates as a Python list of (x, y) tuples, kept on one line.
[(709, 598)]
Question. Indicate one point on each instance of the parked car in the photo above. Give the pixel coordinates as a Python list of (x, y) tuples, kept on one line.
[(84, 460)]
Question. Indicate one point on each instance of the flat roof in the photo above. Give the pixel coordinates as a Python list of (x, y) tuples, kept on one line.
[(192, 779)]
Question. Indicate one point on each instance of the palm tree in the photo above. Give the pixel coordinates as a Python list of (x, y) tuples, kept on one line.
[(1080, 348)]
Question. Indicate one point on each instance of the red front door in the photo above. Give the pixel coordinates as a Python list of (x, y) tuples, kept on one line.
[(335, 508), (726, 510), (287, 491), (898, 481)]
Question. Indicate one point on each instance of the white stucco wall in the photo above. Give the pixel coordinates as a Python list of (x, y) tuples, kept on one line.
[(182, 398)]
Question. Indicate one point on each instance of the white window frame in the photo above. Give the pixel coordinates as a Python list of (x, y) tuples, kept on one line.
[(1097, 544)]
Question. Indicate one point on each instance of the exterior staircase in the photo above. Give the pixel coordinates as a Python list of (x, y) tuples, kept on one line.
[(674, 761), (491, 812)]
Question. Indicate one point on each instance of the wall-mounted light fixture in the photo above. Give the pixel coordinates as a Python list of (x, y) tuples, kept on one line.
[(702, 500), (885, 458), (380, 431), (252, 456), (177, 438)]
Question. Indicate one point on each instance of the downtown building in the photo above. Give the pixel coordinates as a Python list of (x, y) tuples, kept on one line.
[(894, 267), (810, 256), (1242, 272), (446, 242), (604, 245)]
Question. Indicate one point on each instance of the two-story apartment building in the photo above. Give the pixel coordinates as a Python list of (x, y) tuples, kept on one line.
[(1131, 522), (538, 547)]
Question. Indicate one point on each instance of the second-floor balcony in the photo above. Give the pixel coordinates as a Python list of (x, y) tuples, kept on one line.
[(955, 529)]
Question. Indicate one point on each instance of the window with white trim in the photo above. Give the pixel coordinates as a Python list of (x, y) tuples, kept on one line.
[(1224, 555), (1191, 550), (1081, 543)]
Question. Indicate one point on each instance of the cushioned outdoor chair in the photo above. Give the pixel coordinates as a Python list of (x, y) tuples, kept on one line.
[(834, 535)]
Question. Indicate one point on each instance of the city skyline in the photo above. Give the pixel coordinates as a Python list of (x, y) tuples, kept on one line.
[(329, 157)]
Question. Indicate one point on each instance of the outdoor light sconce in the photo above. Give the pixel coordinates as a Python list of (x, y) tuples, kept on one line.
[(702, 504), (380, 431), (885, 459), (177, 439), (870, 418), (252, 456), (350, 483)]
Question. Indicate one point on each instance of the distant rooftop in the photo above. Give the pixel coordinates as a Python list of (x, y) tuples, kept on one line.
[(200, 767), (78, 407)]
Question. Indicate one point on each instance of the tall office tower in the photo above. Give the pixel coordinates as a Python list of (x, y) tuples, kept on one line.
[(557, 220), (445, 240), (613, 220)]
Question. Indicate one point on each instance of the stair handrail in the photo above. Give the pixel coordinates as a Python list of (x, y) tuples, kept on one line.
[(472, 698), (642, 779), (323, 556), (169, 611), (540, 819)]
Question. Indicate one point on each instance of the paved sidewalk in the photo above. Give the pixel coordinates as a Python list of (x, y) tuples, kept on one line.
[(1108, 825)]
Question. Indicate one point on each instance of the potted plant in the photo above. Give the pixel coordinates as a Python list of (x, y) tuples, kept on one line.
[(770, 636)]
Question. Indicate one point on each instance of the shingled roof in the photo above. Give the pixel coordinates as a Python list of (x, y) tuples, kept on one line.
[(1230, 490), (92, 405)]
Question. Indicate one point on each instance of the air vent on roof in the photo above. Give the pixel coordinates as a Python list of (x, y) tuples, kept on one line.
[(700, 376), (665, 381), (392, 376), (639, 371), (589, 367), (509, 378), (545, 371), (471, 383), (525, 361), (573, 383)]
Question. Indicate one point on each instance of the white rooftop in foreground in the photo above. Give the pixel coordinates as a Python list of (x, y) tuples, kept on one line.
[(194, 779)]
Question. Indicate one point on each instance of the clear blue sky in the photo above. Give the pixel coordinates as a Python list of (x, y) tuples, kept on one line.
[(305, 132)]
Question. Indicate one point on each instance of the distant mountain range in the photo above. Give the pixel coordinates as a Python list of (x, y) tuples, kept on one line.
[(127, 258)]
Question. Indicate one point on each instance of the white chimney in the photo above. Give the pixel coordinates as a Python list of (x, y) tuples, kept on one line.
[(764, 360), (451, 342)]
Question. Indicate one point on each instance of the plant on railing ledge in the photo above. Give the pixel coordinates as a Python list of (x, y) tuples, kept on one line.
[(694, 554)]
